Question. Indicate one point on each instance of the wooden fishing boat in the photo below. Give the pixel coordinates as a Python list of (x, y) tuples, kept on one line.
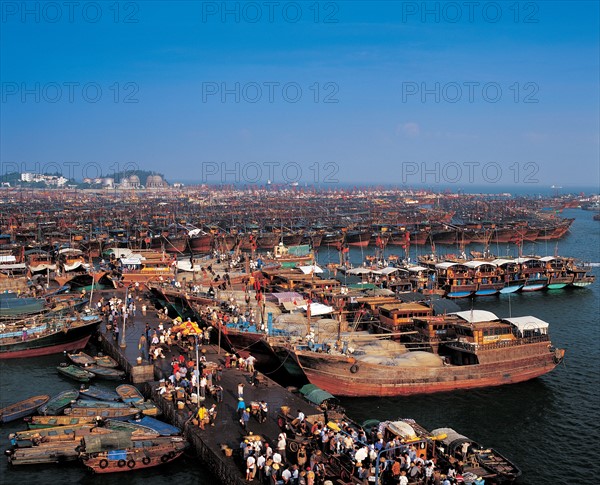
[(463, 350), (162, 428), (495, 466), (74, 372), (57, 404), (106, 361), (99, 394), (128, 453), (37, 422), (48, 337), (104, 413), (92, 403), (106, 372), (55, 433), (81, 358), (22, 408), (58, 452), (129, 393)]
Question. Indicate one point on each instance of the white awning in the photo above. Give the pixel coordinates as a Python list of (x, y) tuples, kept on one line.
[(545, 259), (524, 324), (310, 269), (359, 271), (477, 264), (475, 316), (416, 269), (500, 262), (131, 261), (317, 309), (386, 271), (445, 265), (524, 260)]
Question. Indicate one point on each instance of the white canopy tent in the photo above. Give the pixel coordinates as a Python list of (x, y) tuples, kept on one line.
[(529, 324)]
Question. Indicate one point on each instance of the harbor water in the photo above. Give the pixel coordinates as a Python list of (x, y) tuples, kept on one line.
[(547, 426)]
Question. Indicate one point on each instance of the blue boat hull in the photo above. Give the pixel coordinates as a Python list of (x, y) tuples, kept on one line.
[(510, 289), (162, 428), (459, 294)]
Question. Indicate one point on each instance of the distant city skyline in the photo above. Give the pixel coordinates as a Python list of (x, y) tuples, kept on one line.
[(405, 93)]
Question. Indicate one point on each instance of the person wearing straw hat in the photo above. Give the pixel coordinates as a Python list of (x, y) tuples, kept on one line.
[(245, 418)]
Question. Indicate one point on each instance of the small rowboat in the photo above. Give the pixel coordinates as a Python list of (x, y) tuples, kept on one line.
[(37, 422), (106, 361), (129, 393), (58, 403), (55, 452), (81, 358), (75, 372), (89, 403), (106, 372), (56, 433), (116, 425), (94, 392), (22, 408), (105, 413)]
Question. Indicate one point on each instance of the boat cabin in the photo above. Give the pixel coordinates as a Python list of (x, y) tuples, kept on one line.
[(395, 317)]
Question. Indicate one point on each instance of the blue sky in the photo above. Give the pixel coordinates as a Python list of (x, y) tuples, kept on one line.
[(379, 100)]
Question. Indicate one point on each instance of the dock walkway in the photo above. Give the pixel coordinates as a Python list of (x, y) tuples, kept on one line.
[(207, 444)]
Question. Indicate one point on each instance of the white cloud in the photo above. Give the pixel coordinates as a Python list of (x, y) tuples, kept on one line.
[(410, 129)]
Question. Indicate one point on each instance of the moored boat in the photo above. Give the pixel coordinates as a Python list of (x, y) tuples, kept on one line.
[(106, 361), (129, 393), (457, 447), (105, 372), (81, 358), (74, 372), (462, 351), (22, 408), (103, 412), (89, 403), (47, 336), (99, 394), (37, 422), (127, 454), (162, 428), (57, 404)]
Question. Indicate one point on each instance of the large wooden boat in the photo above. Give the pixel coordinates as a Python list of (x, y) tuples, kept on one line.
[(47, 336), (22, 408), (460, 351)]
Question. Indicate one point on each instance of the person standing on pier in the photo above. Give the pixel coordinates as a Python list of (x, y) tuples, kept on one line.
[(143, 347), (250, 363), (240, 390), (245, 418), (203, 387), (212, 414), (241, 406), (202, 416)]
